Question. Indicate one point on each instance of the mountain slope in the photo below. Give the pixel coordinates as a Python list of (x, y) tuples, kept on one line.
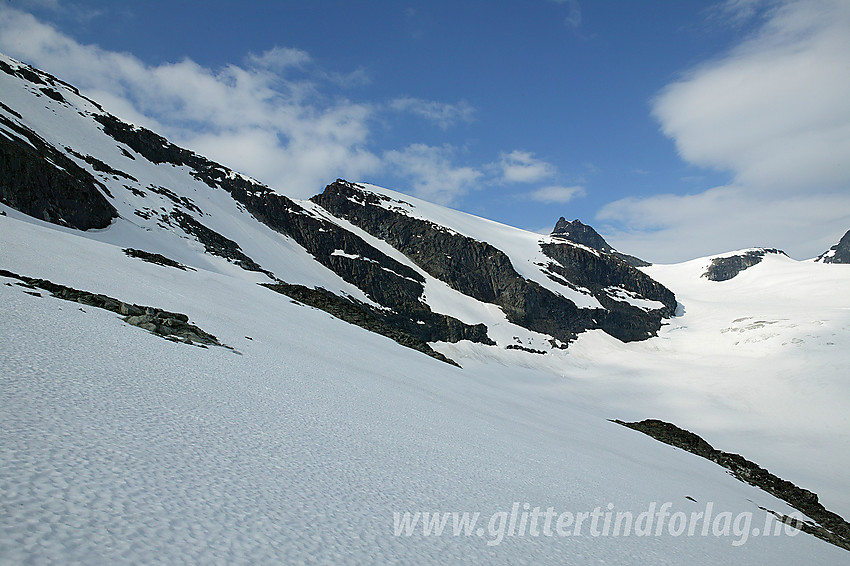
[(121, 447), (158, 192), (302, 438)]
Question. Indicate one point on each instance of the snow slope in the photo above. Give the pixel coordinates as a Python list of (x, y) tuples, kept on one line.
[(301, 443), (756, 365), (119, 447)]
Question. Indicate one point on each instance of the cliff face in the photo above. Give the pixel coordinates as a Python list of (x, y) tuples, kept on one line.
[(484, 272), (43, 183)]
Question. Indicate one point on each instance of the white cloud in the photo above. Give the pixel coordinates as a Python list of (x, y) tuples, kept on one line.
[(281, 131), (738, 12), (432, 173), (522, 167), (279, 58), (670, 228), (53, 5), (442, 114), (775, 112), (556, 194)]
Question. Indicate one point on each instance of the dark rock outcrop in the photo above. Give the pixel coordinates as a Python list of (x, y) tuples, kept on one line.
[(580, 233), (384, 280), (598, 272), (482, 271), (172, 326), (157, 259), (214, 243), (725, 268), (38, 180), (839, 253), (829, 526), (357, 313)]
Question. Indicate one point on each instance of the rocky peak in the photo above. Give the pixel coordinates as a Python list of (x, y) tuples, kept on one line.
[(839, 253), (580, 233)]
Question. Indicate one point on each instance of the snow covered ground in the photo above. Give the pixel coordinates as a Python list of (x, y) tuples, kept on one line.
[(755, 365), (117, 446), (302, 443)]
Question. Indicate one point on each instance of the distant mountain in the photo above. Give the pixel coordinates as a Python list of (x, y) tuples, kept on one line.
[(580, 233), (839, 253), (727, 266)]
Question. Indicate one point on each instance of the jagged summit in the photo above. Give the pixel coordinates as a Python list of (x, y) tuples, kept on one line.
[(839, 253), (577, 231), (580, 233)]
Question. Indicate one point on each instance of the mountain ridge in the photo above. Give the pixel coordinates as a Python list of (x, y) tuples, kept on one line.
[(311, 421), (547, 299)]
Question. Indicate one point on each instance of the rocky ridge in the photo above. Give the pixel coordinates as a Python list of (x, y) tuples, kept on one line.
[(482, 271), (68, 186), (828, 526), (839, 253)]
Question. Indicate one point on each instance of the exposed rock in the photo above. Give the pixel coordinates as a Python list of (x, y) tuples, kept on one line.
[(828, 526), (215, 243), (155, 258), (524, 349), (580, 233), (384, 280), (484, 272), (169, 325), (356, 313), (725, 268), (41, 182), (99, 165), (39, 77), (839, 253), (597, 272)]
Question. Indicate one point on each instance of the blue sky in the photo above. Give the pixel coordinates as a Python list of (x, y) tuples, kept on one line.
[(677, 129)]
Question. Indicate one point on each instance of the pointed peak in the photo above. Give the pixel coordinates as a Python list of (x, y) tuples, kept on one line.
[(581, 233)]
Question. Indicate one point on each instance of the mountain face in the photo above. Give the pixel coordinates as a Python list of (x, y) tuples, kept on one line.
[(580, 233), (95, 171), (839, 253)]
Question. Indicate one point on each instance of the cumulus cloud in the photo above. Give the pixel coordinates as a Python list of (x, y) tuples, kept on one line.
[(556, 194), (442, 114), (253, 118), (522, 167), (431, 171), (775, 112)]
